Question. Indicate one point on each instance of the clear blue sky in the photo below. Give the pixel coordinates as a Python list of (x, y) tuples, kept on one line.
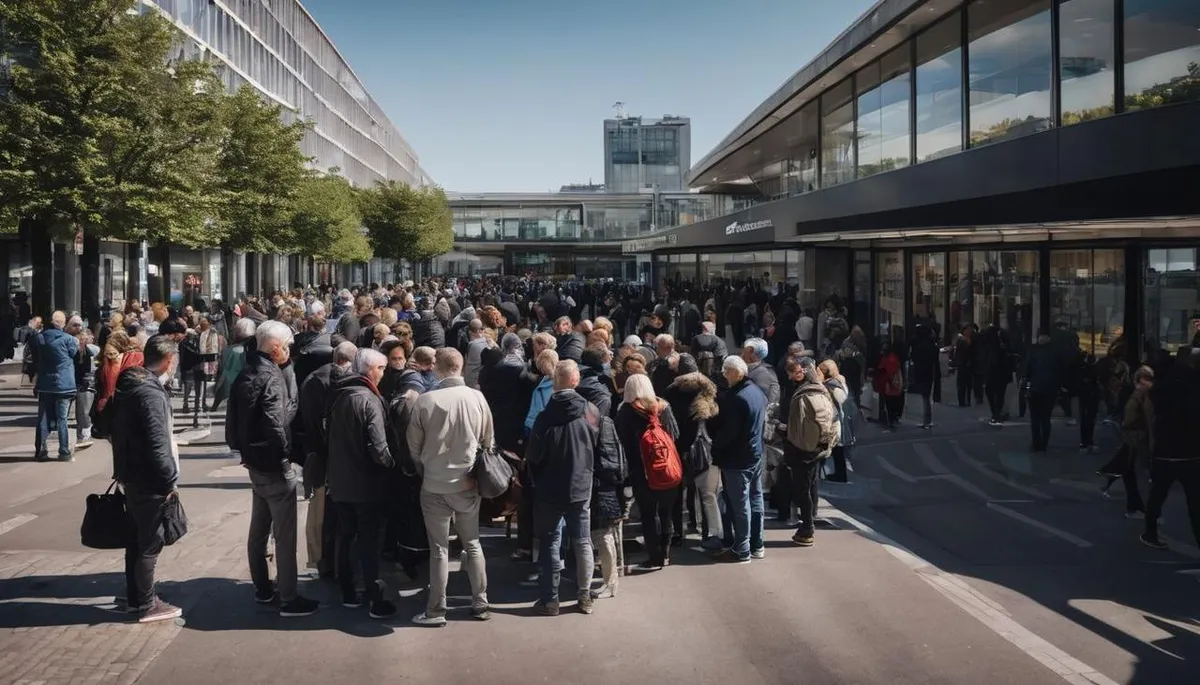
[(510, 95)]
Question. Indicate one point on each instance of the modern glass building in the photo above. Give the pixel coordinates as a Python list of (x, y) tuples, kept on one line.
[(276, 47), (1027, 163), (646, 154)]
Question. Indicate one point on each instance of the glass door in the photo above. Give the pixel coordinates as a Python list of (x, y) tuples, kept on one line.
[(929, 290)]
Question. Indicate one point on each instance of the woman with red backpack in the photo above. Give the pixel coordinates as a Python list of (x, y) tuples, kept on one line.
[(647, 430), (889, 384)]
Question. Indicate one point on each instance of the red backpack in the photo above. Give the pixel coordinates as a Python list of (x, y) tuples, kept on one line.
[(660, 459)]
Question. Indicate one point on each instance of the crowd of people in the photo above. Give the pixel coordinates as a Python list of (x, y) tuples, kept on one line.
[(378, 405)]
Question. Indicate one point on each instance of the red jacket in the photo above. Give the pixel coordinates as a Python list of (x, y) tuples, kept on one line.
[(886, 373)]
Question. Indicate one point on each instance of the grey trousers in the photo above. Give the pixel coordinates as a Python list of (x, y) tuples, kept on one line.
[(273, 511), (463, 507)]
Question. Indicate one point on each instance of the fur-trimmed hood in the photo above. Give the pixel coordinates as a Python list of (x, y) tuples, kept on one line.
[(704, 406)]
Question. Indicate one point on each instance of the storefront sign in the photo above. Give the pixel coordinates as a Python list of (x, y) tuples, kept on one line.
[(646, 244), (747, 226)]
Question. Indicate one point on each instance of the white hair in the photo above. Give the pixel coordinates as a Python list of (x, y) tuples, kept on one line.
[(243, 329), (737, 364), (633, 340), (316, 308), (345, 352), (709, 327), (366, 358), (639, 387), (273, 331), (664, 339), (758, 346)]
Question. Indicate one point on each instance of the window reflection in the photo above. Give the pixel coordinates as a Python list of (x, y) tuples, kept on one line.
[(883, 109), (1010, 67), (837, 135), (939, 90), (1172, 297), (1162, 52), (1085, 63)]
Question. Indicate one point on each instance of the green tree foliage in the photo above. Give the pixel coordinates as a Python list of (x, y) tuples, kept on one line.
[(259, 172), (407, 223), (97, 128), (326, 224)]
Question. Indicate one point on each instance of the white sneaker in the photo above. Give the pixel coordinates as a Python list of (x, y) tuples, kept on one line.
[(83, 444), (760, 553), (423, 619)]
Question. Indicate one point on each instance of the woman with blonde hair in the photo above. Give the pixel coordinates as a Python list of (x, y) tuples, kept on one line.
[(639, 407), (835, 383)]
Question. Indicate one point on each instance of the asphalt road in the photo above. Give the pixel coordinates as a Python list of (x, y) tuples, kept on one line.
[(953, 558)]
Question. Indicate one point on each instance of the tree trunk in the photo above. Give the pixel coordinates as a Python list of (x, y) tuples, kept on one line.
[(37, 232)]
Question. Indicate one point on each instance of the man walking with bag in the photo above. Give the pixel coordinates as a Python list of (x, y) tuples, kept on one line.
[(146, 464)]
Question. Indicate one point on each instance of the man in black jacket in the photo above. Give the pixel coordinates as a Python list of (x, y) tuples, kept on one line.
[(258, 426), (594, 385), (1175, 399), (570, 342), (358, 459), (146, 463), (563, 449), (320, 529)]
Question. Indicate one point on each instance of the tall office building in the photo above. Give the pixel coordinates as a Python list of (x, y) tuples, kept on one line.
[(642, 154)]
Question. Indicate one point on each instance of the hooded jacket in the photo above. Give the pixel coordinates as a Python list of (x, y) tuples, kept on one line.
[(693, 398), (54, 358), (143, 447), (358, 441), (259, 416), (569, 439)]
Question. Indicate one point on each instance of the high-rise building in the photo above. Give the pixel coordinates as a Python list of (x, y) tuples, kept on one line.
[(641, 154)]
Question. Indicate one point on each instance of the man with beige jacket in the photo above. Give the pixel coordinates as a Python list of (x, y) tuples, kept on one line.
[(449, 426)]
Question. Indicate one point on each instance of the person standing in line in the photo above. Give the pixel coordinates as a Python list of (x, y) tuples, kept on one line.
[(738, 451), (358, 462), (257, 426), (633, 420), (568, 439), (54, 351), (146, 464), (449, 426), (812, 433), (320, 529), (85, 382), (233, 359), (1175, 434), (925, 371)]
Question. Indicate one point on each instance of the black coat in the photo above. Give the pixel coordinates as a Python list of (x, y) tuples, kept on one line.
[(358, 442), (631, 424), (141, 432), (925, 369), (508, 388), (428, 331), (259, 416), (596, 388), (693, 398), (569, 439), (310, 351), (1176, 401), (570, 346), (309, 427)]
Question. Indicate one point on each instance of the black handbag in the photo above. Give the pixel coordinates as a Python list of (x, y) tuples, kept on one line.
[(174, 519), (106, 523), (699, 458), (492, 473)]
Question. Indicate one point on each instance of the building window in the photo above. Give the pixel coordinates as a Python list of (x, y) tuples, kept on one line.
[(939, 90), (1172, 297), (1085, 63), (1010, 69), (883, 109), (1162, 52), (837, 134)]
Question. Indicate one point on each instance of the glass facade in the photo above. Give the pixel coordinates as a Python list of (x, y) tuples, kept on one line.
[(1086, 64), (939, 89), (1004, 292), (646, 154), (889, 291), (1162, 52), (1172, 301), (884, 92), (837, 134), (1010, 69), (280, 51), (1087, 295)]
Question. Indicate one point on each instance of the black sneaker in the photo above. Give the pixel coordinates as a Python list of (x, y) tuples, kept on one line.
[(300, 606), (728, 556), (159, 611), (353, 600), (546, 608), (264, 595), (381, 608), (1153, 541)]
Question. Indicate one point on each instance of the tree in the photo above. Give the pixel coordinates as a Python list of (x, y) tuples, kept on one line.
[(407, 223), (259, 171), (98, 131), (325, 222)]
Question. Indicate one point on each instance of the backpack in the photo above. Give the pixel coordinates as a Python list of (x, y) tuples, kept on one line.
[(660, 459), (820, 412)]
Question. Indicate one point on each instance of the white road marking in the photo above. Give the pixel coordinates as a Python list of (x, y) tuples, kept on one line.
[(15, 522), (929, 459), (988, 612), (982, 468), (887, 466), (966, 485), (1056, 532)]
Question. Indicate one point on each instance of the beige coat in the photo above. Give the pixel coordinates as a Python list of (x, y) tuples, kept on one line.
[(448, 427)]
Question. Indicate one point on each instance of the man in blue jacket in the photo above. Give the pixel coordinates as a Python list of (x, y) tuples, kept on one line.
[(54, 358), (737, 449)]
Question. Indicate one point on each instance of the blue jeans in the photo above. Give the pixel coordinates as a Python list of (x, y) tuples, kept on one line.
[(52, 407), (744, 489), (550, 519)]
